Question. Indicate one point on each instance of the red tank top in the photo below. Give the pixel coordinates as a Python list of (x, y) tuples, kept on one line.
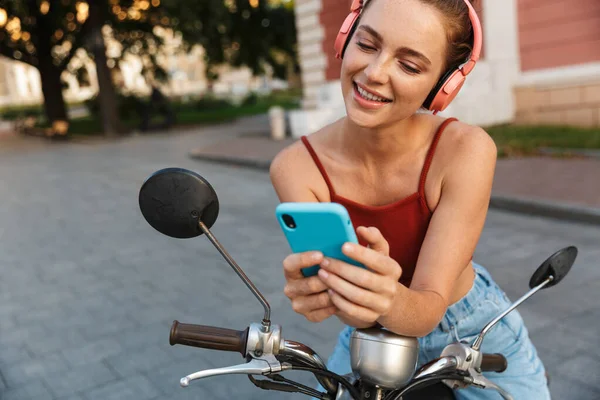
[(403, 223)]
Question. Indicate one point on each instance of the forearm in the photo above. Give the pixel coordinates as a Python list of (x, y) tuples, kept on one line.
[(414, 313)]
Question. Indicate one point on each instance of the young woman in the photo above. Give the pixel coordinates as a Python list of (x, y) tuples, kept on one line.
[(416, 186)]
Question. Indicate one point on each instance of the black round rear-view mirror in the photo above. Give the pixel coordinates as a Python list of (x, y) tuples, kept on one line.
[(174, 200), (557, 265)]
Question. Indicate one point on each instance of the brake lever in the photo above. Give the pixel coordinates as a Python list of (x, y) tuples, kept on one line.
[(264, 365), (481, 381), (466, 359)]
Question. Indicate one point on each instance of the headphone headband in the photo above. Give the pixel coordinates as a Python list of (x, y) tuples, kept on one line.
[(477, 39)]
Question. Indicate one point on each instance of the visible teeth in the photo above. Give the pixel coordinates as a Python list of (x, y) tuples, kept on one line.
[(369, 96)]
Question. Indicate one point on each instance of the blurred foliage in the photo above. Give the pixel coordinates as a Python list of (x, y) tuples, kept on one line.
[(208, 109), (128, 105), (226, 29), (48, 34), (19, 112), (250, 99), (518, 140), (208, 102)]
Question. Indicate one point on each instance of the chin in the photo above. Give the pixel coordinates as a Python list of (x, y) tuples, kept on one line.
[(370, 119), (365, 120)]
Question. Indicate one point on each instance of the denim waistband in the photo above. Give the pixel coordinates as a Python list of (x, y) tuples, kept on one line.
[(483, 287)]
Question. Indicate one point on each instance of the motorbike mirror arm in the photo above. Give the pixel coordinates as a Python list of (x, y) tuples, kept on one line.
[(479, 340), (266, 322)]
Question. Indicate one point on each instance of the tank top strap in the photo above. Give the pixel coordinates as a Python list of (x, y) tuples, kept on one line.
[(319, 165), (431, 153)]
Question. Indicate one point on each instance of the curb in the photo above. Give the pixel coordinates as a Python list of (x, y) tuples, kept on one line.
[(586, 153), (545, 208), (242, 162), (533, 207)]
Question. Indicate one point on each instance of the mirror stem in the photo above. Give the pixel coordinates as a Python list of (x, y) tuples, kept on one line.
[(477, 343), (266, 322)]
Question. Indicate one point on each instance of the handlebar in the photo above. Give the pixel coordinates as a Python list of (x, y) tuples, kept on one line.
[(247, 341), (208, 337), (493, 363)]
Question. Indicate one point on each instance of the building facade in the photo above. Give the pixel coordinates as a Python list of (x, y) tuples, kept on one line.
[(20, 83), (541, 64), (560, 62)]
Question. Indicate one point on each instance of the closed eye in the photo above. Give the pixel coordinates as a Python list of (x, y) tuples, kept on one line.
[(406, 67), (410, 69), (364, 46)]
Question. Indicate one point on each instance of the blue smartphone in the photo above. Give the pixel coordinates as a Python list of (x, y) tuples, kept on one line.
[(323, 227)]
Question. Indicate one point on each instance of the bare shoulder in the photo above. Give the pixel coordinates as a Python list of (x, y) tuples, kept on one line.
[(294, 174), (468, 146)]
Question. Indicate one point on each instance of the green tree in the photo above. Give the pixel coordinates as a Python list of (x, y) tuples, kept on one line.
[(48, 34), (262, 33)]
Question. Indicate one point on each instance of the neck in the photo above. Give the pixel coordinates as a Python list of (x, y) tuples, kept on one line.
[(381, 146)]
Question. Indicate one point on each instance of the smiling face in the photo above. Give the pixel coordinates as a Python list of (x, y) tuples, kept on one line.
[(392, 61)]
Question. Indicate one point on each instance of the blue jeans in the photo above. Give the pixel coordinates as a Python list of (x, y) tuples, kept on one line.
[(525, 376)]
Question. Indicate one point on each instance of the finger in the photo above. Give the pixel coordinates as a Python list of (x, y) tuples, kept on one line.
[(321, 315), (293, 263), (372, 259), (355, 294), (304, 287), (374, 239), (304, 305), (358, 276), (351, 309)]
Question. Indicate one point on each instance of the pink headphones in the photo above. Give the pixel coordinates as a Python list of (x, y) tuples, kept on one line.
[(450, 83)]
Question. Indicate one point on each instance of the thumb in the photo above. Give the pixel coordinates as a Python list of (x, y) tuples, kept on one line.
[(374, 239)]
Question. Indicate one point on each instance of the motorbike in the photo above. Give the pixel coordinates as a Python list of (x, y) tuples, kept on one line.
[(182, 204)]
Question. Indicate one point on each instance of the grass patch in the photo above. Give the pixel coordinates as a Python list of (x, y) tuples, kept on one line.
[(193, 114), (519, 140)]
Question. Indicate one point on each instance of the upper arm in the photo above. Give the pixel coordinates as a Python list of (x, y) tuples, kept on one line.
[(458, 220), (289, 175)]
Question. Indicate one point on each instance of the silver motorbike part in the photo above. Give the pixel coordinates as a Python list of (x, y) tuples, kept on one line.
[(306, 355), (437, 367), (261, 342), (469, 360), (383, 358), (258, 366), (371, 392), (466, 360), (342, 392), (484, 383)]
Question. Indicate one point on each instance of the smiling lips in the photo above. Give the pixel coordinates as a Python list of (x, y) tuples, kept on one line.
[(366, 99)]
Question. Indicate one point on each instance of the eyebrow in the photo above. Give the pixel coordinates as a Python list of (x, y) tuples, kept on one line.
[(406, 50)]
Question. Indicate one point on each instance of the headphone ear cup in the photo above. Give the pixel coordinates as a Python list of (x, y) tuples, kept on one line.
[(347, 29), (445, 91)]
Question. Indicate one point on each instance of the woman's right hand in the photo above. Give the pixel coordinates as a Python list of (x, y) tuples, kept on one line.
[(309, 296)]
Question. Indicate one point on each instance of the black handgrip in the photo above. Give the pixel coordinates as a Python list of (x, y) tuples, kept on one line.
[(208, 337), (493, 363)]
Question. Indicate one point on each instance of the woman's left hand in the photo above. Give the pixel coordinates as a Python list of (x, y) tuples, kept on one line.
[(363, 295)]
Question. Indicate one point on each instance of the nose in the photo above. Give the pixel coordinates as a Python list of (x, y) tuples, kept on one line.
[(376, 71)]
